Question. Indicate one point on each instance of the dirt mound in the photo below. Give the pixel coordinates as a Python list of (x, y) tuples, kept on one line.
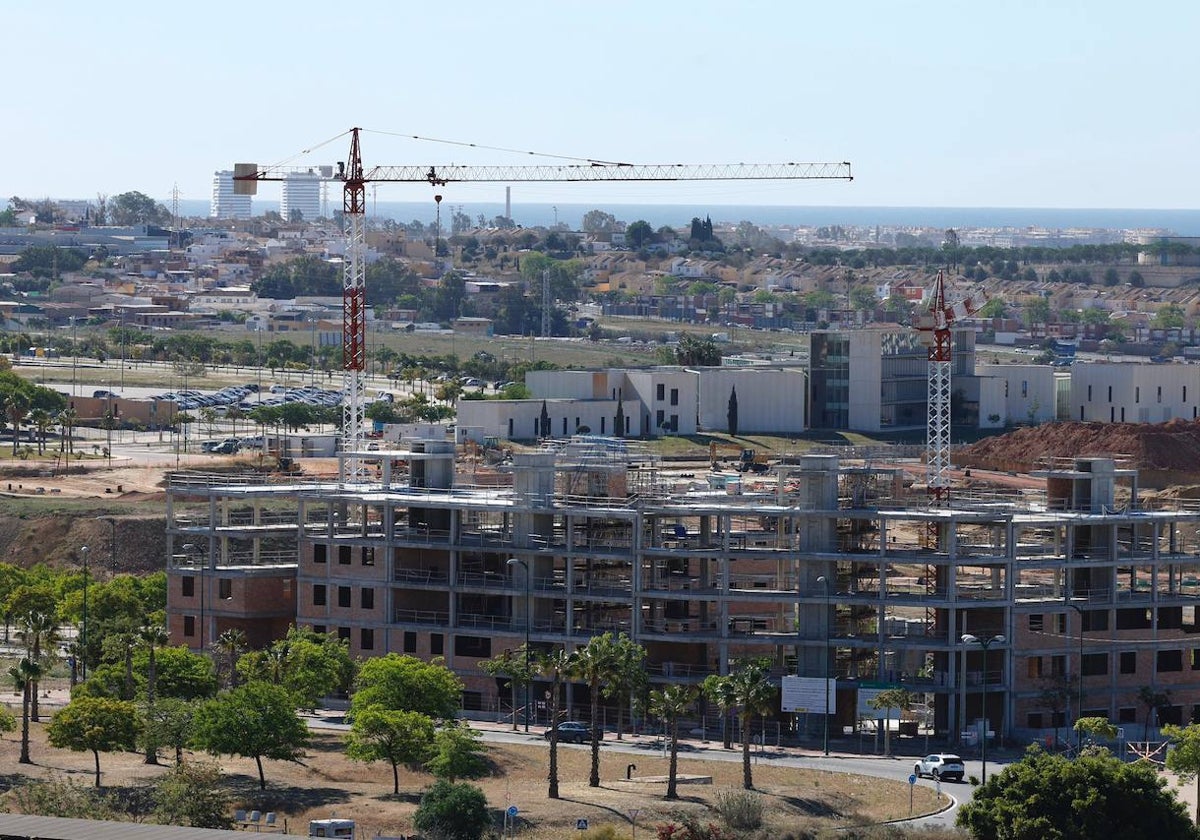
[(1173, 446)]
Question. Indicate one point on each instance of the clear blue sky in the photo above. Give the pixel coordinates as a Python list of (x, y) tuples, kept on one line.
[(1046, 103)]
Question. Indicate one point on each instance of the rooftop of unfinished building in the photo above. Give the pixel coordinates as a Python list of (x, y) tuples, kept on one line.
[(621, 475)]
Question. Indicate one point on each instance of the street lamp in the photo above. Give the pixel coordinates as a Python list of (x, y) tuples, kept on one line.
[(83, 553), (825, 659), (74, 354), (517, 561), (968, 639), (1079, 678)]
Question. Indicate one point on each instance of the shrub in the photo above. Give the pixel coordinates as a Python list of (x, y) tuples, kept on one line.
[(608, 831), (451, 811), (742, 810)]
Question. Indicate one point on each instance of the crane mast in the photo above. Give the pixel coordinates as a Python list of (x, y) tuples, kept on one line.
[(355, 178), (354, 317)]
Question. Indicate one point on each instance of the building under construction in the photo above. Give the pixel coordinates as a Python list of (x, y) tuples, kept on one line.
[(825, 566)]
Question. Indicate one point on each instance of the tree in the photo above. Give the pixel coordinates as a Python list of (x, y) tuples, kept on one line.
[(669, 705), (191, 794), (1037, 311), (135, 208), (97, 724), (1096, 727), (232, 644), (1097, 795), (16, 407), (170, 724), (310, 665), (750, 691), (892, 698), (257, 720), (451, 811), (457, 753), (556, 665), (392, 736), (595, 663), (597, 221), (1153, 701), (1183, 758), (24, 675), (731, 413), (1055, 695), (697, 352), (35, 610), (639, 233), (406, 683), (152, 636), (516, 667), (863, 298), (629, 681), (1169, 316)]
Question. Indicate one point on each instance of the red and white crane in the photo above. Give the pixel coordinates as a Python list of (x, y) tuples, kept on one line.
[(355, 178), (934, 327)]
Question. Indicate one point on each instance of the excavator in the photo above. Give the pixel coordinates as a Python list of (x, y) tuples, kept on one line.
[(748, 459)]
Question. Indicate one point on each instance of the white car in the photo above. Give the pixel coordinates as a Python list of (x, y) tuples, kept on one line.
[(940, 766)]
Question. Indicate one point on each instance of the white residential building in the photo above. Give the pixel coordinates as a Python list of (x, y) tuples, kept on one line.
[(226, 205), (301, 197)]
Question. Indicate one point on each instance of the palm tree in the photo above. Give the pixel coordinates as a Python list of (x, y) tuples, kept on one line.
[(39, 631), (17, 408), (67, 418), (595, 664), (153, 636), (750, 691), (629, 677), (42, 421), (557, 666), (669, 705), (25, 676), (120, 645), (233, 644)]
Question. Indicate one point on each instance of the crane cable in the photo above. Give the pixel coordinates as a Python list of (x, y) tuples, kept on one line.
[(591, 161)]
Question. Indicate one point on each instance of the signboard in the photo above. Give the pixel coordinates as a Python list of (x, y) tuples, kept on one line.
[(512, 810), (581, 824), (808, 695), (867, 693)]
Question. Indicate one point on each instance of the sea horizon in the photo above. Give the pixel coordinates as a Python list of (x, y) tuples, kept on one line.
[(1176, 221)]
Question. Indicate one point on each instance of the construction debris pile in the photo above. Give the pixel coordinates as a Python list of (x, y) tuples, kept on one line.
[(1172, 447)]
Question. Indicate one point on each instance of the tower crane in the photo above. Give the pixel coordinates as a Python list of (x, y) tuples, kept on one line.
[(355, 177), (935, 334)]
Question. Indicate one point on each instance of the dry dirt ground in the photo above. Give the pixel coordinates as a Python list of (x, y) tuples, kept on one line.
[(325, 784)]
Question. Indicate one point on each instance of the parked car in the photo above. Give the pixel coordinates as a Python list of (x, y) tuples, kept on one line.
[(940, 766), (571, 732)]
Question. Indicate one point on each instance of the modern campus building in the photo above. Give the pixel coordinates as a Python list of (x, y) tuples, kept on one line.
[(823, 567), (225, 204)]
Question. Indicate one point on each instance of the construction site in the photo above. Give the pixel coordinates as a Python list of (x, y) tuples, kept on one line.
[(1007, 612)]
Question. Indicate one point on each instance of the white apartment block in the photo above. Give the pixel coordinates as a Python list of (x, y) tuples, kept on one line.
[(1030, 391), (1124, 392), (226, 205), (301, 196)]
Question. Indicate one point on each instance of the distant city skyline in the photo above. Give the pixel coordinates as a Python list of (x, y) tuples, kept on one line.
[(935, 103)]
